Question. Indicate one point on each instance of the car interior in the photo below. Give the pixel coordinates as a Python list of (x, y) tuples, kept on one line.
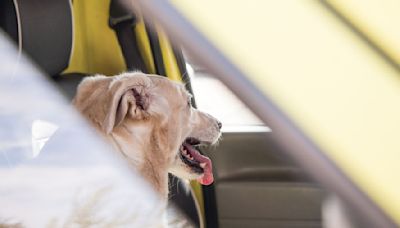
[(255, 184)]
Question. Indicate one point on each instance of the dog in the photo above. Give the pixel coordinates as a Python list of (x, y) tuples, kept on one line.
[(149, 120)]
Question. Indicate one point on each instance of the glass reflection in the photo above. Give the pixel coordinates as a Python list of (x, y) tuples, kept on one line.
[(54, 171)]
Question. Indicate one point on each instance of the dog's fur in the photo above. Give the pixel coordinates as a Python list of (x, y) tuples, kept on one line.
[(147, 118)]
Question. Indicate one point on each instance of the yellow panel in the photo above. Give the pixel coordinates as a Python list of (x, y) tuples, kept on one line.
[(171, 67), (95, 46), (331, 84), (198, 194), (377, 19)]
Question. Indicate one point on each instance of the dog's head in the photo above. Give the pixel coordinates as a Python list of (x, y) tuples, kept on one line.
[(154, 116)]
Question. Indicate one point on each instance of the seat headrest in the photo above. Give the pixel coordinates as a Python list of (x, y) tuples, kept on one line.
[(43, 28)]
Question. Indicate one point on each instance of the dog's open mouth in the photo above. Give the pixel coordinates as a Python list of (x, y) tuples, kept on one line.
[(196, 161)]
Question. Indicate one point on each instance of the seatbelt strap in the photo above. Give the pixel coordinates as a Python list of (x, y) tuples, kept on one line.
[(156, 48), (122, 22)]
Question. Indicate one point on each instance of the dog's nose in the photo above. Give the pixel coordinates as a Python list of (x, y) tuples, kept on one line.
[(219, 124)]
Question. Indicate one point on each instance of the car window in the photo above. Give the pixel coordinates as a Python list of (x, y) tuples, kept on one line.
[(213, 96)]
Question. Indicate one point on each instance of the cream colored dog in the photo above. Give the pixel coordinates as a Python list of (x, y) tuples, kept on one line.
[(150, 121)]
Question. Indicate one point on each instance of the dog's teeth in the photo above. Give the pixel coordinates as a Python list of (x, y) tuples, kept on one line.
[(202, 165)]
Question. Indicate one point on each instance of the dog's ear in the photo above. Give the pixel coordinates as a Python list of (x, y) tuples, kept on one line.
[(106, 101), (89, 95), (126, 94)]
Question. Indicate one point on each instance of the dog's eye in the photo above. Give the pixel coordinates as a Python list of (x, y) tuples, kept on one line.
[(189, 102)]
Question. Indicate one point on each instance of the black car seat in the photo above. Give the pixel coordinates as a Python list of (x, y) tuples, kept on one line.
[(42, 30), (43, 33)]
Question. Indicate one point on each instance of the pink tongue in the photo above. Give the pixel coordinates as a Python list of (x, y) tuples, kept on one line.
[(207, 177)]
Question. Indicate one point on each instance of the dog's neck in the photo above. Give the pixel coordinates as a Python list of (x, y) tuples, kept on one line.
[(141, 146)]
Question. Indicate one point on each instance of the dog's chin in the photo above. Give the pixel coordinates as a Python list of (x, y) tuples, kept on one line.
[(182, 171), (191, 164)]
